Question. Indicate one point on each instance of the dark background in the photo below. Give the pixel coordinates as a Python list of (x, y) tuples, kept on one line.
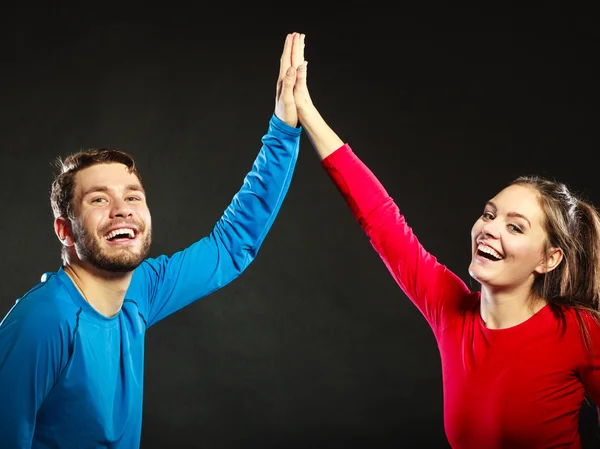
[(314, 346)]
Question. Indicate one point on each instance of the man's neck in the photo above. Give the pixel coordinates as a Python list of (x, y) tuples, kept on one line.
[(103, 290)]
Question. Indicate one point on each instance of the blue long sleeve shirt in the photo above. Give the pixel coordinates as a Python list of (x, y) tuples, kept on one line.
[(73, 378)]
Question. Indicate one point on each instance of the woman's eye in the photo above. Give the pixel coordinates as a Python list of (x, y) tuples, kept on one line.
[(515, 228)]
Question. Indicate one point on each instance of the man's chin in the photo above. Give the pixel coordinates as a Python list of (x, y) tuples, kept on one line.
[(118, 266), (113, 258), (122, 263)]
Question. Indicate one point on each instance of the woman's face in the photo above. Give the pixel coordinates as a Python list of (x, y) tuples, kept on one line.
[(509, 240)]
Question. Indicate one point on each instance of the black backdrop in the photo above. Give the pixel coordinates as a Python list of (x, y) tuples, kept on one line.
[(314, 346)]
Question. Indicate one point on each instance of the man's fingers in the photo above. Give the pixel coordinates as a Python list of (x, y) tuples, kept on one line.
[(286, 56), (285, 106), (287, 87)]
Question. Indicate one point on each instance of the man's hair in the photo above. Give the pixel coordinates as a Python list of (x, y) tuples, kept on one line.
[(63, 186)]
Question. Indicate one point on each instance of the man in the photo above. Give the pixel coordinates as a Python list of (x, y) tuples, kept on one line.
[(72, 348)]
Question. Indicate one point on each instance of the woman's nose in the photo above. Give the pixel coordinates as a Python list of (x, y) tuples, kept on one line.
[(490, 229)]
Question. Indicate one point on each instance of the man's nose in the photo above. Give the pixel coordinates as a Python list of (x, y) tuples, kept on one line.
[(120, 208)]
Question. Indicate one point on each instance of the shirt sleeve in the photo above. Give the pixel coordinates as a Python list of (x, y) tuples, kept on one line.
[(215, 260), (590, 370), (34, 350), (438, 293)]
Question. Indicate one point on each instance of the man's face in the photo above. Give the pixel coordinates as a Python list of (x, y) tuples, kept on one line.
[(112, 227)]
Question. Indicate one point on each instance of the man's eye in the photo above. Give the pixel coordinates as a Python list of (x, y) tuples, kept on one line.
[(133, 198), (98, 200)]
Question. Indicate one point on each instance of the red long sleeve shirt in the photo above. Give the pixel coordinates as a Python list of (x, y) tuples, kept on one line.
[(519, 387)]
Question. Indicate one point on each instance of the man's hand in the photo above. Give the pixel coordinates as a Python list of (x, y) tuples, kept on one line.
[(291, 58)]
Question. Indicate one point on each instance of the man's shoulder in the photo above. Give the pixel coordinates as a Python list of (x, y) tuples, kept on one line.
[(47, 302)]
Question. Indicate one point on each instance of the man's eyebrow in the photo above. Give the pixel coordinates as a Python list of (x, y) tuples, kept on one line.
[(130, 187)]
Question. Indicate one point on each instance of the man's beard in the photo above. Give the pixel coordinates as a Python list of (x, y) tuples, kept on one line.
[(88, 248)]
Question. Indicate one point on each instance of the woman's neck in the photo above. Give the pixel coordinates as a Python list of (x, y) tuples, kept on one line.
[(508, 308)]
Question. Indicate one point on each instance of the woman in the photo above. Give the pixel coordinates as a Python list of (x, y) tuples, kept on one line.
[(519, 355)]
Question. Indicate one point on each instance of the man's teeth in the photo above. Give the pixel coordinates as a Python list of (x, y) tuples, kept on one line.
[(123, 231), (490, 251)]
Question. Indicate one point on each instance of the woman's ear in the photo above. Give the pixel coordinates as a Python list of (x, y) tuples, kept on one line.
[(552, 260)]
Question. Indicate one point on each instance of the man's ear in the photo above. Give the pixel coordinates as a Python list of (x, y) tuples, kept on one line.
[(552, 260), (62, 228)]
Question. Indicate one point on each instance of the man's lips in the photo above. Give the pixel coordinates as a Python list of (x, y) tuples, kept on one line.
[(122, 233)]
